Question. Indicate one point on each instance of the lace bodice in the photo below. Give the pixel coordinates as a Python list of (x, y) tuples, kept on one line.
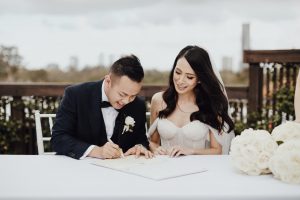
[(191, 135), (195, 134)]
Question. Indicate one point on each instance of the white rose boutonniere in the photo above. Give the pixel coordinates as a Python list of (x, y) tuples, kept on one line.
[(129, 124)]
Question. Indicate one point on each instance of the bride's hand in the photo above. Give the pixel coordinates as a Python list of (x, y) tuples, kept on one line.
[(138, 150), (160, 151), (176, 151)]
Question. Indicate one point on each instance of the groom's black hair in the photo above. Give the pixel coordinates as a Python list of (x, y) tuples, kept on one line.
[(129, 66)]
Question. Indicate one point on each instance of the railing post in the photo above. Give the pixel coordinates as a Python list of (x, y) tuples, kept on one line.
[(255, 88)]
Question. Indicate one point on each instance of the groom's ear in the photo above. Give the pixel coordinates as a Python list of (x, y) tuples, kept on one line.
[(107, 79)]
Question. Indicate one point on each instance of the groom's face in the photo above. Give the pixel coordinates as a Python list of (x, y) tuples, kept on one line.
[(121, 90)]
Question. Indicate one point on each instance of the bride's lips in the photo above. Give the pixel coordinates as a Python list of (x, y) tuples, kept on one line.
[(181, 87)]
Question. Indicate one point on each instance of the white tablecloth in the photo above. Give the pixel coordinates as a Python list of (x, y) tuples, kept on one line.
[(60, 177)]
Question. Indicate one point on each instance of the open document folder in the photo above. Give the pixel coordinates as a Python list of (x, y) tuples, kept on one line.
[(157, 168)]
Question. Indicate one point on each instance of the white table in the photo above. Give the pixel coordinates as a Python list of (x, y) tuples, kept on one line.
[(60, 177)]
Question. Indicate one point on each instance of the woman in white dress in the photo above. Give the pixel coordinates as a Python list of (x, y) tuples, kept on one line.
[(191, 116)]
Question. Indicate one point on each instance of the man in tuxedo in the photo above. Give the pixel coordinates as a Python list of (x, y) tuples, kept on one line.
[(105, 118)]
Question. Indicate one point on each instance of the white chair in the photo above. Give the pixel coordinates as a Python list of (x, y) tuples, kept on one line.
[(39, 132)]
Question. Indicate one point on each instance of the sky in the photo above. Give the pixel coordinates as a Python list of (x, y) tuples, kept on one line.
[(100, 31)]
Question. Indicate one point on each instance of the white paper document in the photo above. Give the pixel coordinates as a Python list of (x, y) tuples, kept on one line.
[(157, 168)]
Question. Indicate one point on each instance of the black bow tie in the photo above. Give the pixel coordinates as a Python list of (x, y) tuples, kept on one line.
[(105, 104)]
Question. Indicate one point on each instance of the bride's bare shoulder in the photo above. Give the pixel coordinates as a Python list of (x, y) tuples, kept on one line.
[(157, 100), (157, 96)]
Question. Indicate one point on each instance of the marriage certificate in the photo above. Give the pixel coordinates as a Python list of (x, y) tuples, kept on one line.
[(157, 168)]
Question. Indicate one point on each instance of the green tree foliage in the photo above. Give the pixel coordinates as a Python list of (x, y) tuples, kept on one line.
[(284, 104)]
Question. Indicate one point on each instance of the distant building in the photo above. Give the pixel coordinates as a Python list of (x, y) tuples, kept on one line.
[(74, 63), (246, 37), (111, 59), (245, 42), (227, 63), (101, 59)]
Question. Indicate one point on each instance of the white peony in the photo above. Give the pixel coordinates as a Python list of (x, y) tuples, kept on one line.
[(287, 131), (252, 150), (285, 163)]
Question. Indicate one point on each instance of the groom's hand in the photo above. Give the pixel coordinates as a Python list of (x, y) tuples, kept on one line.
[(139, 149), (109, 150)]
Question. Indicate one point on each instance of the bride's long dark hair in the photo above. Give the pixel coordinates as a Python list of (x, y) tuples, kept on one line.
[(209, 93)]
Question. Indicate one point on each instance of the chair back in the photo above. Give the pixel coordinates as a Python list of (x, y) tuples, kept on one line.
[(40, 138)]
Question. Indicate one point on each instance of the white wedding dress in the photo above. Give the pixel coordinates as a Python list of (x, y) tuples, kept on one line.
[(195, 134)]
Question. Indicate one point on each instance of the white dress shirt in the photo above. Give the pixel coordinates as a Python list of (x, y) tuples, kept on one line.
[(109, 115)]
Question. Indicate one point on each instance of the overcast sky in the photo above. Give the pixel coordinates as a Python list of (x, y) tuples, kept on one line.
[(97, 31)]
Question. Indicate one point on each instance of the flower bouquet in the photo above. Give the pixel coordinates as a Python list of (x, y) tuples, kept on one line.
[(251, 151), (285, 164)]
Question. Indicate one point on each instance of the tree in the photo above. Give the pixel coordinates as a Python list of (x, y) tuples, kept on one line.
[(10, 62)]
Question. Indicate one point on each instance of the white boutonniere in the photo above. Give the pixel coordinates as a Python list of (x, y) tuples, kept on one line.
[(129, 124)]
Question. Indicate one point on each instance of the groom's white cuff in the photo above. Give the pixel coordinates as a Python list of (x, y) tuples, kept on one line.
[(87, 152)]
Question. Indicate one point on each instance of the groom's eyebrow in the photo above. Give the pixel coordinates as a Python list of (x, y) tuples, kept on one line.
[(124, 93)]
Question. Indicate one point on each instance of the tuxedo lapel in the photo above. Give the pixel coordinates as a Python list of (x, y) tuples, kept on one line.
[(118, 127), (96, 118)]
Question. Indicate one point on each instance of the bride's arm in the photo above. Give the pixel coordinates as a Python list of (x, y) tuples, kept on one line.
[(154, 109), (215, 147), (297, 99)]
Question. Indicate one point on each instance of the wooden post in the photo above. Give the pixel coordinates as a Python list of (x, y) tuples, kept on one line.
[(255, 88)]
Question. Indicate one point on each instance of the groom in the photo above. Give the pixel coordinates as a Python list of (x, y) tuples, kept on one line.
[(103, 119)]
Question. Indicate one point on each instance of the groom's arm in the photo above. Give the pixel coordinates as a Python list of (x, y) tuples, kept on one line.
[(63, 139)]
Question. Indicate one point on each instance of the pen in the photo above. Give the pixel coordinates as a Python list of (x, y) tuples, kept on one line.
[(122, 154)]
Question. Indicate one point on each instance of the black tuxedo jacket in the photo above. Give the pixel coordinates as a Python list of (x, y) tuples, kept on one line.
[(79, 122)]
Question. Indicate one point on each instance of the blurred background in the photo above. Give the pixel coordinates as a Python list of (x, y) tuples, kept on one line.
[(44, 38)]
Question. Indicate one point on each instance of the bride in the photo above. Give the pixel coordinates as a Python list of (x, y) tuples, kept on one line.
[(191, 116)]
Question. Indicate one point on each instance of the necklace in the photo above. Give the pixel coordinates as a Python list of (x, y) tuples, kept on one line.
[(182, 110)]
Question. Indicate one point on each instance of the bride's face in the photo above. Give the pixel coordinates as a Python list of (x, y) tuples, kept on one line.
[(184, 77)]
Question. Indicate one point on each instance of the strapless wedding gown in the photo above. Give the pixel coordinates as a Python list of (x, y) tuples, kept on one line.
[(195, 134)]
